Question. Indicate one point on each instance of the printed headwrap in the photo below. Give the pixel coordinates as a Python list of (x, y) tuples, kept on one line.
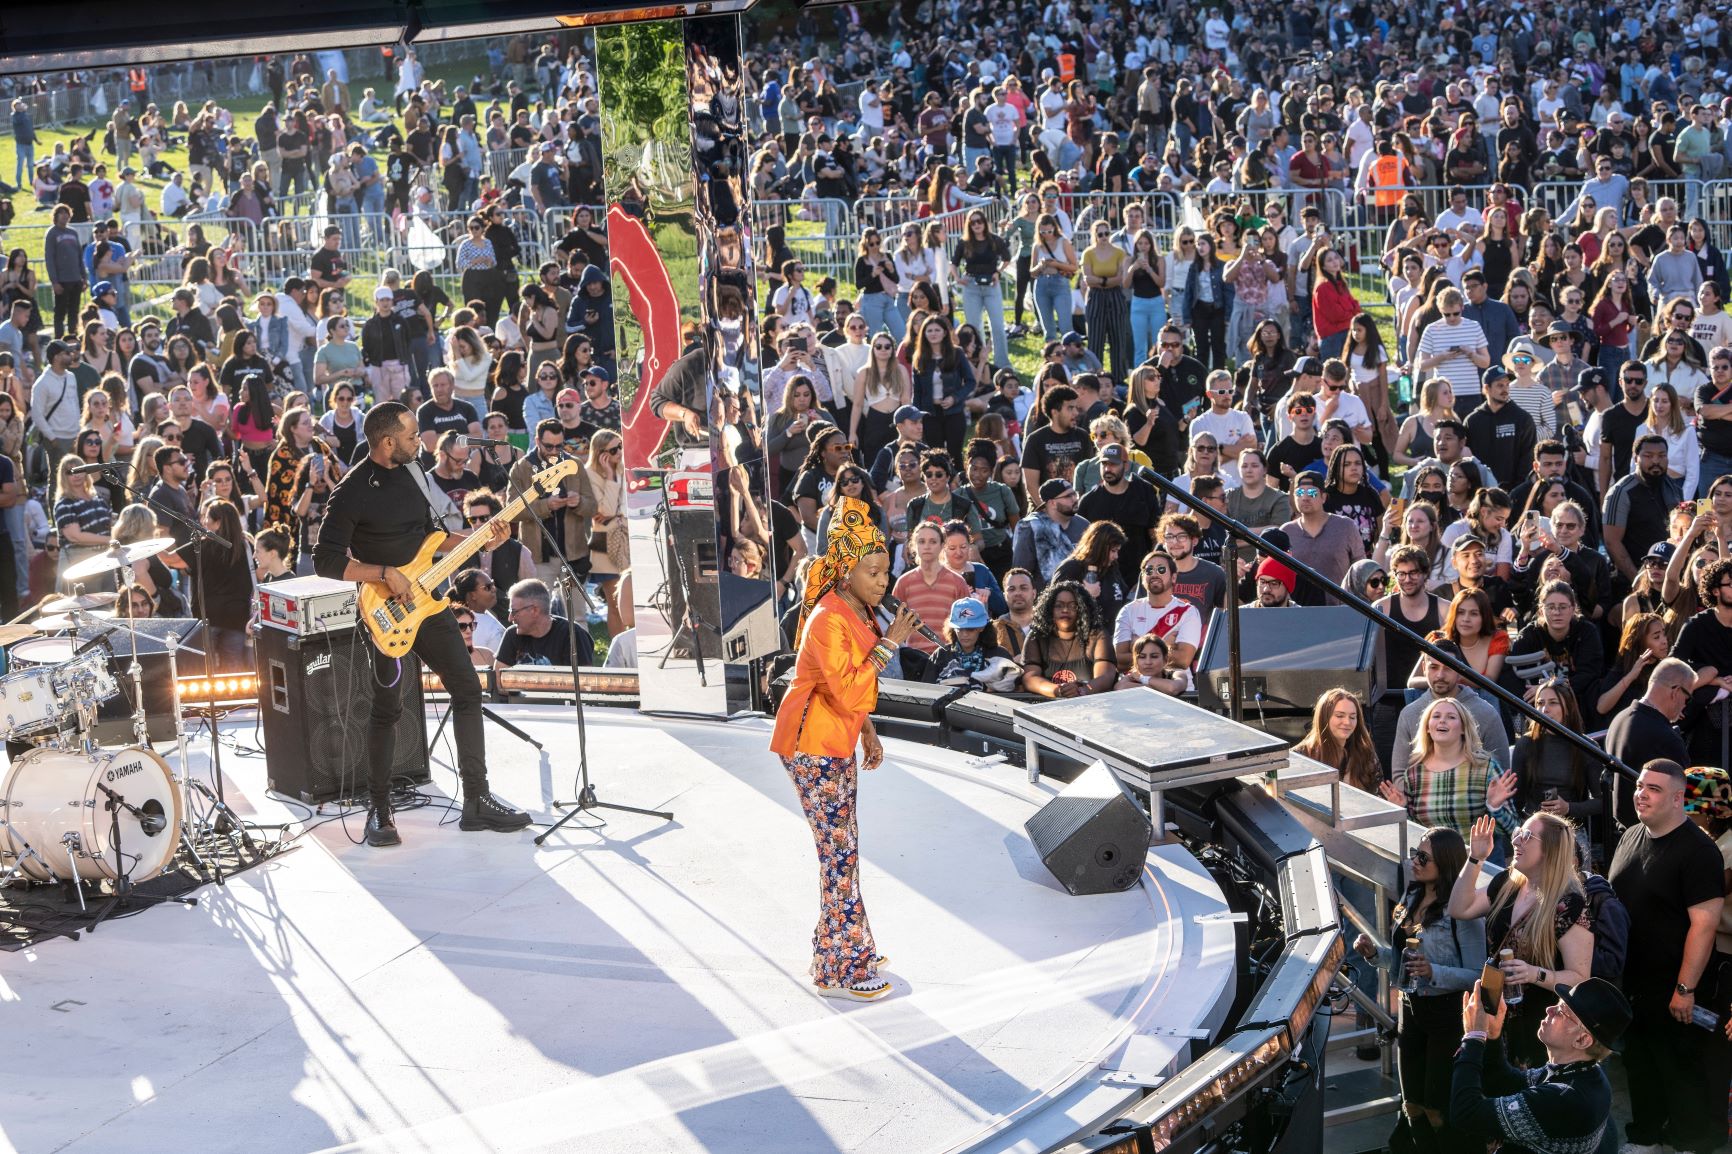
[(1708, 791), (853, 535)]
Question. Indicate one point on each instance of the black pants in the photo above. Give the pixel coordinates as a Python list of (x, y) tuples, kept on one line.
[(1425, 1045), (945, 429), (1670, 1100), (66, 298), (1209, 323), (439, 645)]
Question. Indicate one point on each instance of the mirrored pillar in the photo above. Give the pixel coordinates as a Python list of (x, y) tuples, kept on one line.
[(662, 358)]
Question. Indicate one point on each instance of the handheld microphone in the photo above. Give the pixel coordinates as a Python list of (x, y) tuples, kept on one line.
[(895, 605), (467, 442), (98, 467)]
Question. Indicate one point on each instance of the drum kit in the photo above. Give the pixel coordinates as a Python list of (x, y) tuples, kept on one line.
[(72, 810)]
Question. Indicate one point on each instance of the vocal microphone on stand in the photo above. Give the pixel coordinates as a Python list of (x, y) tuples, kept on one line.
[(98, 467), (895, 605), (464, 441)]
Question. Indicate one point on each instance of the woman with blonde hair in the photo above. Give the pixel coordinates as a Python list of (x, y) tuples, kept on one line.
[(142, 475), (1451, 779), (1340, 738), (1538, 911), (137, 523), (607, 537)]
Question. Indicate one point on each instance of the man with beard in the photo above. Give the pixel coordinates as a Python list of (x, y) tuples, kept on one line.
[(1012, 628), (1638, 506), (1668, 873), (1045, 538), (1326, 542), (1127, 501), (376, 521), (1499, 432), (1161, 611), (1617, 425), (1275, 583)]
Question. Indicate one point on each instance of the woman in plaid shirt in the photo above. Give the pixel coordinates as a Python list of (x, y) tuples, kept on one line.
[(1452, 780)]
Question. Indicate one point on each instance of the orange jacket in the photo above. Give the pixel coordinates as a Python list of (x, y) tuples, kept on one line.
[(835, 685)]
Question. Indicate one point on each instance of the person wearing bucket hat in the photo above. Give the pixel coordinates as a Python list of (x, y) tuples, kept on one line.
[(824, 718), (970, 644), (1527, 389), (1564, 1105)]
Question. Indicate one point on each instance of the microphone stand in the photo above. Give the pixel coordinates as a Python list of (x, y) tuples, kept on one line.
[(570, 588)]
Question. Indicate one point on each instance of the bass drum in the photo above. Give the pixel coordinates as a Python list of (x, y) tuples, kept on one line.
[(49, 794)]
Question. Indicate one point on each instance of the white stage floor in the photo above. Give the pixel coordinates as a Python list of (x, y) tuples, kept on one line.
[(636, 987)]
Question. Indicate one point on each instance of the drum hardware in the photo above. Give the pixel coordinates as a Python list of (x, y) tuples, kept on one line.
[(79, 600)]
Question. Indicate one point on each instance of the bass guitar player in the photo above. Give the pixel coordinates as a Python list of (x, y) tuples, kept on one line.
[(378, 520)]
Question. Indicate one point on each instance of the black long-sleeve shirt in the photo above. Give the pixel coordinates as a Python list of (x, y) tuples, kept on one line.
[(1552, 1110), (376, 515)]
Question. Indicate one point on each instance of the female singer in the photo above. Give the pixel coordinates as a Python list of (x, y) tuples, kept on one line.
[(823, 717)]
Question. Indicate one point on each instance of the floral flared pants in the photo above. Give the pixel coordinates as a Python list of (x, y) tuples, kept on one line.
[(842, 947)]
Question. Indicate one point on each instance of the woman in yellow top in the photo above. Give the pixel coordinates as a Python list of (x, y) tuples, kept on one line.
[(825, 715), (1108, 308)]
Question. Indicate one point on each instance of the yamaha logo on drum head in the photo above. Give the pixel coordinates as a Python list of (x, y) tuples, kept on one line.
[(121, 771)]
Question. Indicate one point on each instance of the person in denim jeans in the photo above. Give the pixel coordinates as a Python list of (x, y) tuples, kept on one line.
[(979, 258), (1714, 416), (1053, 263), (24, 141)]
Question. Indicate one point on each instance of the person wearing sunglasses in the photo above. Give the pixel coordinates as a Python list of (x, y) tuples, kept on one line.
[(1432, 978), (1323, 540), (475, 592)]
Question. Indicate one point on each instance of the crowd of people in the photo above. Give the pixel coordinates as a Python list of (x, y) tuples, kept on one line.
[(239, 402), (1298, 264)]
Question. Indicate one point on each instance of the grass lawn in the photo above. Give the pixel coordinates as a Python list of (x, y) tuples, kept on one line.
[(245, 109)]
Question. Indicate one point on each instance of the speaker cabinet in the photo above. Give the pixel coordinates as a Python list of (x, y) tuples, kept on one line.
[(1094, 837), (691, 533), (315, 695)]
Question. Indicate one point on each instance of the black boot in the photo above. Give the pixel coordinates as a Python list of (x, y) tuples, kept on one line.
[(481, 810), (381, 827)]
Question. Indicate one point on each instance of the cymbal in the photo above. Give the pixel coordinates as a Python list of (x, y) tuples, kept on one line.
[(81, 601), (11, 633), (117, 557), (55, 622)]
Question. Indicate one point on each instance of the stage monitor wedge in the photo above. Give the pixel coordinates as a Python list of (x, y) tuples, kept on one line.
[(1093, 836)]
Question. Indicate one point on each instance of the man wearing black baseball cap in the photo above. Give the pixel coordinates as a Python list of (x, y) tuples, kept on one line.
[(1565, 1104)]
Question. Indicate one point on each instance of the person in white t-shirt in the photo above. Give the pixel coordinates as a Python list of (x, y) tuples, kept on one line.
[(1159, 611), (1231, 428), (1337, 402)]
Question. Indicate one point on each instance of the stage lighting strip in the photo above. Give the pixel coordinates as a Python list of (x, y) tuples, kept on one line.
[(548, 680), (236, 689)]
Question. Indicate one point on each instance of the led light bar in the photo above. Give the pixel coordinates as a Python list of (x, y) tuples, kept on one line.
[(229, 689), (547, 680), (1204, 1090)]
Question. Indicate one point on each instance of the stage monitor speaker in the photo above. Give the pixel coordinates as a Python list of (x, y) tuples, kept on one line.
[(692, 531), (1093, 836), (1289, 657), (315, 695)]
